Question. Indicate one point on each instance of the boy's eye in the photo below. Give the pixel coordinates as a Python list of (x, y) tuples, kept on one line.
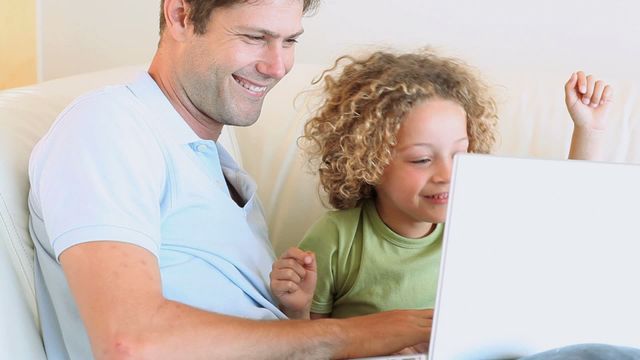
[(421, 161)]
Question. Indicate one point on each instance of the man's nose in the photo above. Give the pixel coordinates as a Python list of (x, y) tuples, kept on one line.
[(275, 62)]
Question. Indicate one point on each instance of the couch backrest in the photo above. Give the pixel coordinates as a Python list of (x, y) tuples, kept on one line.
[(533, 122)]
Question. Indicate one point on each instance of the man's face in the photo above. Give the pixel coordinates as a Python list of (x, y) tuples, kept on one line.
[(246, 50)]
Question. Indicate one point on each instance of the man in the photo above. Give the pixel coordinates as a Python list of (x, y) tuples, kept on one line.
[(149, 240)]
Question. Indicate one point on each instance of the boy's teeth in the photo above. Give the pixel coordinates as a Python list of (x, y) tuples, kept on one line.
[(440, 196)]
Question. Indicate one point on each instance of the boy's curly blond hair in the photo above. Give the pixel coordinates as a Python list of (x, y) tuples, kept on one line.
[(350, 138)]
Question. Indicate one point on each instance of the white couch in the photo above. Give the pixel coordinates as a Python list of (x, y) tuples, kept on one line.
[(533, 123)]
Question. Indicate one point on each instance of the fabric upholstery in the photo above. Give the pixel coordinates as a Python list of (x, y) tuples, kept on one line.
[(533, 122)]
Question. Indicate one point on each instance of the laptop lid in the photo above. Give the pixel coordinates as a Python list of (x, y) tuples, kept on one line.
[(538, 254)]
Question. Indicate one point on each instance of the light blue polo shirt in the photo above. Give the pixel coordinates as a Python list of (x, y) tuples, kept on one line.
[(121, 164)]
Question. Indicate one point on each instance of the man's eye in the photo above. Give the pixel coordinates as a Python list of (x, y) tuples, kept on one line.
[(289, 43), (254, 37)]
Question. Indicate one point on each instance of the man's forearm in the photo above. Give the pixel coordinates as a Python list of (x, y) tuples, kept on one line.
[(179, 331), (126, 316), (174, 330)]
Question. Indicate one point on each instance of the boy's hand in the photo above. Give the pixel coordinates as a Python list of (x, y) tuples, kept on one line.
[(588, 101), (293, 282)]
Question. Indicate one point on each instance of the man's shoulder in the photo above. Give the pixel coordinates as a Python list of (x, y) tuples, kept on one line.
[(107, 100), (110, 118), (102, 111)]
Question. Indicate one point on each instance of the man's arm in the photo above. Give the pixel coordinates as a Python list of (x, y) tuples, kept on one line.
[(118, 291)]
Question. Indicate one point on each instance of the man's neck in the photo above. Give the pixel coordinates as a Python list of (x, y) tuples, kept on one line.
[(205, 127)]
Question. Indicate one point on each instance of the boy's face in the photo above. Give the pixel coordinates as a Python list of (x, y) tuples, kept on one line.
[(414, 189)]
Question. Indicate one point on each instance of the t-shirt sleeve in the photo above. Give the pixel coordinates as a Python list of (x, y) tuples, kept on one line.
[(98, 176), (323, 239)]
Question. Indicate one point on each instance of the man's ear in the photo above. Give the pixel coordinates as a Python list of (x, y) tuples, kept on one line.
[(176, 17)]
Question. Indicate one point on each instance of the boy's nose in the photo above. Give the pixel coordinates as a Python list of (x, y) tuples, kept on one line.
[(443, 172)]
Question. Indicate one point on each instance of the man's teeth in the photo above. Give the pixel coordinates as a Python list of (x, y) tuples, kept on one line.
[(251, 87)]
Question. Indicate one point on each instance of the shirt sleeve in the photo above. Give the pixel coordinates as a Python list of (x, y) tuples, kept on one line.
[(99, 175), (323, 238)]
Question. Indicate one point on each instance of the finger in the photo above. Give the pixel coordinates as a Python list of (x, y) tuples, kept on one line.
[(597, 93), (303, 257), (582, 82), (312, 265), (405, 351), (607, 95), (570, 85), (586, 99), (422, 348), (284, 287), (286, 275), (424, 313), (289, 264)]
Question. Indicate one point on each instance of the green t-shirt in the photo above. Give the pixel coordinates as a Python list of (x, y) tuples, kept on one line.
[(364, 267)]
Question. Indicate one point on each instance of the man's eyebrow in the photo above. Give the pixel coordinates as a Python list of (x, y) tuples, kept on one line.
[(272, 34)]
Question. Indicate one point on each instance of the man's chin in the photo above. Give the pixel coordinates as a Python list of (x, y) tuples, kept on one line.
[(242, 119)]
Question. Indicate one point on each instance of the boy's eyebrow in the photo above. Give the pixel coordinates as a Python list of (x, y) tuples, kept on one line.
[(270, 33), (431, 145)]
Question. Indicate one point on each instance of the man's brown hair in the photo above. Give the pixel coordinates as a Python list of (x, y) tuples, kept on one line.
[(200, 11)]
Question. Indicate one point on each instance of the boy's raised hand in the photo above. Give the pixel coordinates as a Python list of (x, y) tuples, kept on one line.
[(588, 101), (293, 282)]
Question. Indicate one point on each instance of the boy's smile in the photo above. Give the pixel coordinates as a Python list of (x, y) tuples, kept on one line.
[(439, 198)]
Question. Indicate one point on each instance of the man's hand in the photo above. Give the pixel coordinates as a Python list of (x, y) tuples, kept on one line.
[(293, 282), (416, 349), (411, 329), (421, 348), (588, 101)]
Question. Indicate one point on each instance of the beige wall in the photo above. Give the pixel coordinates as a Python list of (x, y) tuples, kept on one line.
[(87, 35), (537, 36), (17, 43)]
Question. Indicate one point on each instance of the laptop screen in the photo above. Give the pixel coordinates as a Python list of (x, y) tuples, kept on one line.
[(538, 254)]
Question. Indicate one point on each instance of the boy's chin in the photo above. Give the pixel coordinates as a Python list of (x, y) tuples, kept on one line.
[(435, 219)]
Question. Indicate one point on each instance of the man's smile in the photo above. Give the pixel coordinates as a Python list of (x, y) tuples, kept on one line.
[(253, 88)]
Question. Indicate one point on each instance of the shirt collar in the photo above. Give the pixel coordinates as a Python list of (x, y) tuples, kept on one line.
[(166, 119), (385, 232)]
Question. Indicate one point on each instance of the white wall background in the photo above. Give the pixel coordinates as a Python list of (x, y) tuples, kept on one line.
[(528, 35), (79, 36), (85, 35)]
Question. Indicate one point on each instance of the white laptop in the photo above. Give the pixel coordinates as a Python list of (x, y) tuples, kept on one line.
[(538, 254)]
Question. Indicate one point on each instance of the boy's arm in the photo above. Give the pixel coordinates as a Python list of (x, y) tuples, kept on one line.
[(118, 291), (588, 101)]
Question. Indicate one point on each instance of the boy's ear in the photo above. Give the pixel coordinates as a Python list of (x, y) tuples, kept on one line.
[(176, 15)]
